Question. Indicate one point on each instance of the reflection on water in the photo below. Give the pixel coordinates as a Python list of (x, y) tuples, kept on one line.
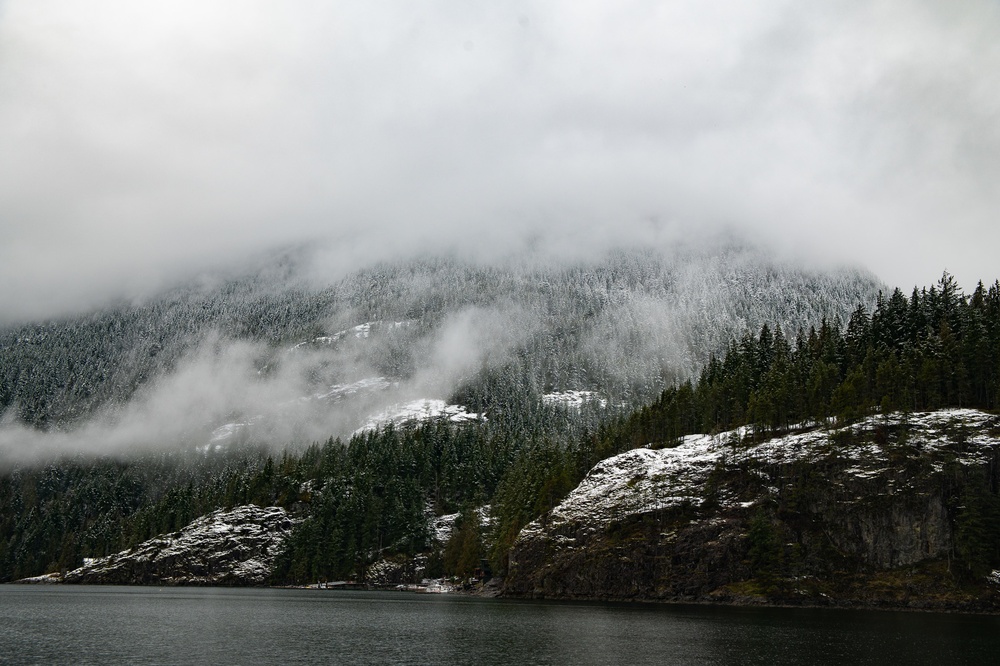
[(101, 625)]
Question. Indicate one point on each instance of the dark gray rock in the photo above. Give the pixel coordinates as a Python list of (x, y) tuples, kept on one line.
[(234, 547), (865, 513)]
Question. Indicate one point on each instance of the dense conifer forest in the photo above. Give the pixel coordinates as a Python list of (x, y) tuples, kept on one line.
[(627, 324), (372, 495), (937, 348)]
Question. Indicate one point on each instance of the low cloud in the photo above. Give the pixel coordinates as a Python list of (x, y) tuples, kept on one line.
[(143, 144), (227, 392), (471, 339)]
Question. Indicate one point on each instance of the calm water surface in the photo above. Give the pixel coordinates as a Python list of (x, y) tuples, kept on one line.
[(133, 625)]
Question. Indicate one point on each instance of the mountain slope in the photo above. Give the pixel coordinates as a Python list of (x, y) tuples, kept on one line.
[(869, 513), (272, 353), (774, 503)]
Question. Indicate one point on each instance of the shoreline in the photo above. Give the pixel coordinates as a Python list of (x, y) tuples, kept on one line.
[(496, 592), (760, 602)]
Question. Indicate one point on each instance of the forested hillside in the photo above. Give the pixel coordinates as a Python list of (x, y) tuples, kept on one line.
[(845, 466), (626, 326), (937, 348), (374, 495)]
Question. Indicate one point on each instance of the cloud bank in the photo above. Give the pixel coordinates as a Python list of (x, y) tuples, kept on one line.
[(141, 143), (226, 393)]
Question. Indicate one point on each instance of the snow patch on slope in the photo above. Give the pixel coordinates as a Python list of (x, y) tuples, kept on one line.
[(424, 409), (226, 434), (573, 399), (359, 332), (442, 527), (647, 480), (361, 387)]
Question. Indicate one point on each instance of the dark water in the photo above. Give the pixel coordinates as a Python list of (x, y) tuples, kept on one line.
[(106, 625)]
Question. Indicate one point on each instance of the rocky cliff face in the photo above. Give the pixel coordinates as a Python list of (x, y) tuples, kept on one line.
[(235, 547), (878, 512)]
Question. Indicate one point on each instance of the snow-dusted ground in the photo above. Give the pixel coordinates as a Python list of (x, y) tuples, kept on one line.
[(365, 392), (644, 480), (574, 399), (361, 387), (441, 528), (225, 432), (234, 546), (425, 409), (359, 332)]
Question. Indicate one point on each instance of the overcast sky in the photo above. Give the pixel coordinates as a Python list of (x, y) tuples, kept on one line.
[(141, 142)]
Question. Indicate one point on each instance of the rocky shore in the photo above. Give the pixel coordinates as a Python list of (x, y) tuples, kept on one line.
[(869, 515)]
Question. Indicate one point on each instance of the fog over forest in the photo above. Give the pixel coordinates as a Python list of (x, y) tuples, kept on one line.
[(272, 358), (202, 202), (146, 144)]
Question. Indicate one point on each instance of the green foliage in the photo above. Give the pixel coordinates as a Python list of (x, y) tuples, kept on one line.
[(464, 549), (977, 526), (371, 497), (53, 516), (938, 349), (538, 478), (577, 326)]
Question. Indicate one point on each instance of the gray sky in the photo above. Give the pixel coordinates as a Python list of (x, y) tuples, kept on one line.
[(142, 142)]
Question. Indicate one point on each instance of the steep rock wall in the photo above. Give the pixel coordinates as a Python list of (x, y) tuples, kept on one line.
[(824, 515)]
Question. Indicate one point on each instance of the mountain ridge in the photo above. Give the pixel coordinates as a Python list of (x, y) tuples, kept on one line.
[(624, 325)]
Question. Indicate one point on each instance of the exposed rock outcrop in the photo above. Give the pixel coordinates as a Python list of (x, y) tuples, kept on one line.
[(870, 513), (234, 547)]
